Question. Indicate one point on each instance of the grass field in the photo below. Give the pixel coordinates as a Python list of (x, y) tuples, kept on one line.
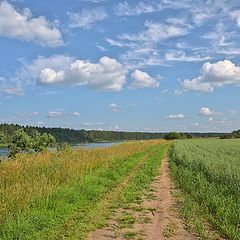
[(67, 194), (208, 172)]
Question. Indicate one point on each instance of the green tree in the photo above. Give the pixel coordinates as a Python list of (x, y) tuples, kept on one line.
[(42, 142), (3, 138), (174, 135), (20, 142)]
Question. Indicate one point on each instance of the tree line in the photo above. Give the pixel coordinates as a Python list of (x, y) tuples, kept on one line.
[(67, 135)]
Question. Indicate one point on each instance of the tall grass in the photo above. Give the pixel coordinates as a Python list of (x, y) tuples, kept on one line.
[(31, 184), (209, 173)]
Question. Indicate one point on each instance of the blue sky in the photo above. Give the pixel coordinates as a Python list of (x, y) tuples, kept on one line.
[(121, 65)]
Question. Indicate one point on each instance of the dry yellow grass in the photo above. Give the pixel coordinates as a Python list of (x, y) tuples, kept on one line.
[(34, 176)]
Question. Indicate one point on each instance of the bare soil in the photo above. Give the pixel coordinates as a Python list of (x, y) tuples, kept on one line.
[(155, 218)]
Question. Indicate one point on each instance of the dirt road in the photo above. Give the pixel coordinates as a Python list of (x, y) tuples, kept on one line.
[(155, 218)]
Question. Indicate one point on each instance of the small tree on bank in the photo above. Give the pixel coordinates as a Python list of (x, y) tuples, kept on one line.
[(21, 142), (176, 135), (3, 138)]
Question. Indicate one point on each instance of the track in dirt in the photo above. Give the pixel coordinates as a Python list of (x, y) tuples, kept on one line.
[(153, 219)]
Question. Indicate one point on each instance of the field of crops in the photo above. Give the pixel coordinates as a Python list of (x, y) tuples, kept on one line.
[(67, 194), (208, 172)]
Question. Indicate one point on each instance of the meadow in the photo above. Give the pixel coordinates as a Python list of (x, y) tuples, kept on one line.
[(70, 193), (208, 172)]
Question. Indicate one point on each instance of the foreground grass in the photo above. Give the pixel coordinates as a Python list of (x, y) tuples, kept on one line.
[(208, 172), (63, 195)]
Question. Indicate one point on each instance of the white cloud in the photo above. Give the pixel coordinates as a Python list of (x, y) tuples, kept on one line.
[(140, 56), (103, 49), (115, 107), (116, 127), (114, 42), (25, 115), (87, 124), (179, 21), (156, 32), (214, 75), (210, 119), (143, 80), (27, 75), (32, 69), (202, 13), (48, 93), (55, 114), (58, 114), (205, 111), (178, 92), (108, 74), (196, 85), (175, 116), (143, 48), (124, 9), (87, 18), (11, 90), (180, 56), (76, 114), (22, 25), (195, 124)]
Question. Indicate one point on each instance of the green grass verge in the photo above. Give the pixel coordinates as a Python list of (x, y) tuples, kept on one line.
[(83, 205)]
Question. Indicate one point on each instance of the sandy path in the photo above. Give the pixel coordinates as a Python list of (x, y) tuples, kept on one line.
[(164, 223), (156, 219)]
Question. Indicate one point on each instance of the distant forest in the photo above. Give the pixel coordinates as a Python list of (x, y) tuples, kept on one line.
[(81, 136)]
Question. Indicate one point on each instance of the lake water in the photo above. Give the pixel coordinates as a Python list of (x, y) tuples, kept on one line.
[(4, 151)]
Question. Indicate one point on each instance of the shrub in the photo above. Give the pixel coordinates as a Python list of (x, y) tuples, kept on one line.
[(21, 142), (175, 135)]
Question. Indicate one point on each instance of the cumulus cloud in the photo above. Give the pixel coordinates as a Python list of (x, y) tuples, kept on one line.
[(32, 69), (108, 74), (87, 18), (27, 75), (143, 80), (205, 111), (214, 75), (195, 85), (22, 25), (175, 116)]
